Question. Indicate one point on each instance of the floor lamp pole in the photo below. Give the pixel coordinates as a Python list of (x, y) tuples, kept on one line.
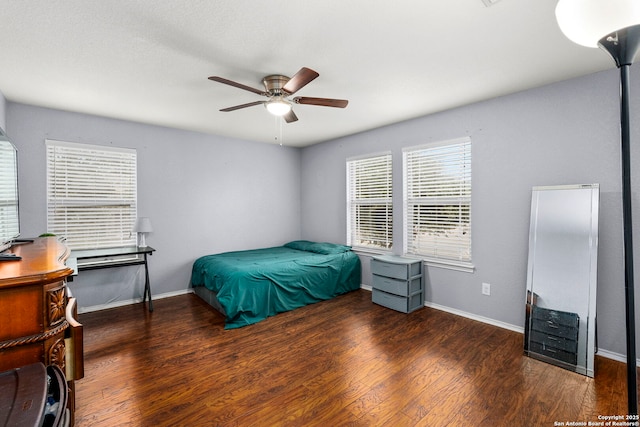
[(632, 389), (622, 46)]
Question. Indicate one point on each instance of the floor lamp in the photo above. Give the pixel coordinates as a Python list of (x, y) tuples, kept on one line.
[(614, 26)]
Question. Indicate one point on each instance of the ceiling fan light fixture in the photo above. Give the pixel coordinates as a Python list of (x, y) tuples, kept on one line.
[(278, 107)]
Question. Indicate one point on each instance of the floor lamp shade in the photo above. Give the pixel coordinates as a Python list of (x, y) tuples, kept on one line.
[(142, 227), (585, 22)]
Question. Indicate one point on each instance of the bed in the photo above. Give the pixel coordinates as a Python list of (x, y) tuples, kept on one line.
[(249, 286)]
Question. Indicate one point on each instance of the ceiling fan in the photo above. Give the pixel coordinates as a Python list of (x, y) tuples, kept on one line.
[(277, 89)]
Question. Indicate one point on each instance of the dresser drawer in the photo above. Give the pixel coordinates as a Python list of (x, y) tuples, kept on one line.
[(554, 353), (555, 329), (554, 322), (398, 303), (556, 342), (396, 267), (21, 313), (396, 286), (556, 317)]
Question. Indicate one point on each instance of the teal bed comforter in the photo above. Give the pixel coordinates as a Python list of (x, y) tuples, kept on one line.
[(255, 284)]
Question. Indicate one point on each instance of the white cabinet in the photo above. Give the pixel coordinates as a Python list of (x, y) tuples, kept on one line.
[(397, 282)]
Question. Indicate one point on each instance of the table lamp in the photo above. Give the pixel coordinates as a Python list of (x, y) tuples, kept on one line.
[(142, 227)]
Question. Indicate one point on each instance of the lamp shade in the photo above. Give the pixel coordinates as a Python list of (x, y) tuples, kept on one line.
[(585, 22), (143, 225)]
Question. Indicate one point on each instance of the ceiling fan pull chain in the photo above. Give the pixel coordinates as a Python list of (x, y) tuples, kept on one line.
[(278, 129)]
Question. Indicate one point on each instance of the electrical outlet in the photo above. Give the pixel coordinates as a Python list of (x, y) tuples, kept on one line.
[(486, 289)]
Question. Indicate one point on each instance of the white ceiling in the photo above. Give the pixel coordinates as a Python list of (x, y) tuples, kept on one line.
[(148, 60)]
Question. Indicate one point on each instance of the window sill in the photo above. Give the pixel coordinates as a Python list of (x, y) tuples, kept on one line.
[(370, 251), (465, 267)]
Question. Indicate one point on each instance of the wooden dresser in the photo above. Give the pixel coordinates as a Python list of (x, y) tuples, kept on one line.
[(37, 316)]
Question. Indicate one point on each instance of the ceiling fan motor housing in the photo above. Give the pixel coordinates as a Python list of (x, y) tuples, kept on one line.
[(274, 84)]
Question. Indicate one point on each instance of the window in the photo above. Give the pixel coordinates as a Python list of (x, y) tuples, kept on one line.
[(437, 201), (369, 202), (91, 194), (9, 218)]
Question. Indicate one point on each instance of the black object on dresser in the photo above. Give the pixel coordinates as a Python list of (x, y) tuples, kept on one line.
[(554, 334), (397, 282)]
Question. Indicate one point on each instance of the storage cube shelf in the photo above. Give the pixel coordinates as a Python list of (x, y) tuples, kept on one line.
[(397, 282)]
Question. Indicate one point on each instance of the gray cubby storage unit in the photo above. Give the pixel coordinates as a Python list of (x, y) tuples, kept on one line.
[(397, 282)]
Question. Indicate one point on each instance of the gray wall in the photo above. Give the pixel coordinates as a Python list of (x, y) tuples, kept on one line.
[(203, 194), (566, 133)]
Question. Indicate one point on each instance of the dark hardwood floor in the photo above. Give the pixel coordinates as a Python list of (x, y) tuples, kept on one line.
[(343, 362)]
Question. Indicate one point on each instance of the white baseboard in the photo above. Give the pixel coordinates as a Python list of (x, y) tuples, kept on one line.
[(615, 356), (131, 301), (465, 314), (472, 316)]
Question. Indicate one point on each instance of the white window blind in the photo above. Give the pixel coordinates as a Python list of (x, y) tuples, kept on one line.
[(91, 194), (369, 202), (9, 222), (437, 200)]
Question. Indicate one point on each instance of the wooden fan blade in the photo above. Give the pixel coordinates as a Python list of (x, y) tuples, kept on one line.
[(324, 102), (290, 117), (237, 107), (236, 84), (299, 80)]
